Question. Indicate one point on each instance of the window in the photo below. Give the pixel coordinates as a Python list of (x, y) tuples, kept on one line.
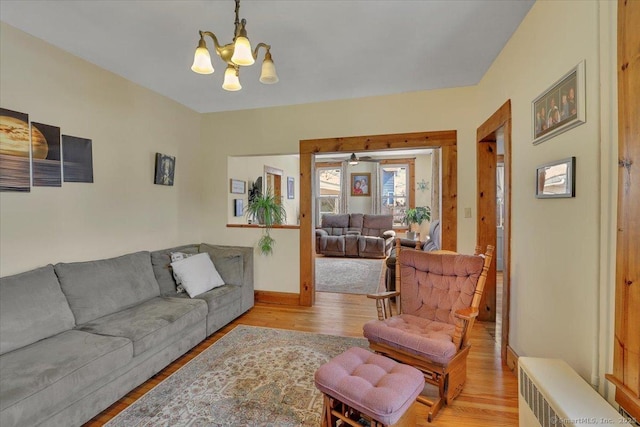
[(394, 196), (328, 183)]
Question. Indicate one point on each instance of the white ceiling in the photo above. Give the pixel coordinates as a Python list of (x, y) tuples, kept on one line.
[(323, 49)]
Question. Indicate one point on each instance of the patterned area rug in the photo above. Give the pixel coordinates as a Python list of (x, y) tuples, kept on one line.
[(250, 377), (348, 275)]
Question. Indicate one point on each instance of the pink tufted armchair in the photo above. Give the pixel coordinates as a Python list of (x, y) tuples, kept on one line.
[(439, 295)]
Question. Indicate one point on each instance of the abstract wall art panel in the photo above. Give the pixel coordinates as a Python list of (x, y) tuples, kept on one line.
[(77, 159), (15, 171), (45, 157)]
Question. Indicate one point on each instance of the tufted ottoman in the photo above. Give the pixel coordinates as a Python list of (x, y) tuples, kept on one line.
[(359, 383)]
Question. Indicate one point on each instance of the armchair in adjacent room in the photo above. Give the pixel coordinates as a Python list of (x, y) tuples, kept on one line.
[(438, 295), (431, 243)]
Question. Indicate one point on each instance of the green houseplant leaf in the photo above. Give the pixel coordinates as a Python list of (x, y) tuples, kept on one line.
[(267, 210), (417, 215)]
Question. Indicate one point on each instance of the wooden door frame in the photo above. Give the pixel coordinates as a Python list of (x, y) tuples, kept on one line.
[(486, 228), (446, 140)]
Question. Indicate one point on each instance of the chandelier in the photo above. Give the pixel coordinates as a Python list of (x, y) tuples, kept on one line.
[(236, 54)]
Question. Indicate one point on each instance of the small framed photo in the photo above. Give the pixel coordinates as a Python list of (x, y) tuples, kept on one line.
[(561, 107), (290, 187), (361, 184), (238, 187), (556, 179), (165, 168), (238, 209)]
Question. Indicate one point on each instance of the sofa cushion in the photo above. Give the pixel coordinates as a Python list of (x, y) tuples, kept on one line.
[(229, 262), (376, 225), (150, 323), (371, 247), (160, 262), (356, 221), (333, 245), (73, 360), (32, 307), (97, 288), (218, 298), (335, 224)]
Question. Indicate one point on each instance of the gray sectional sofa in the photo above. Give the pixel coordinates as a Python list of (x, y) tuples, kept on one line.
[(76, 337)]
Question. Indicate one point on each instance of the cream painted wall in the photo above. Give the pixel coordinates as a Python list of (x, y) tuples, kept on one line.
[(122, 211), (249, 168), (278, 130), (556, 244)]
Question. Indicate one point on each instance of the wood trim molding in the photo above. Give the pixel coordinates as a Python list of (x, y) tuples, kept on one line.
[(486, 143), (512, 359), (281, 226), (626, 346), (328, 164), (446, 140), (279, 298)]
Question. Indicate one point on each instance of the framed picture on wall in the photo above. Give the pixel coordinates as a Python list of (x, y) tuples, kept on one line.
[(238, 209), (556, 179), (237, 186), (361, 184), (165, 168), (561, 107), (290, 188)]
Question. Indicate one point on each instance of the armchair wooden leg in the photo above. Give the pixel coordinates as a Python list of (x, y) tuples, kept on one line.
[(434, 406)]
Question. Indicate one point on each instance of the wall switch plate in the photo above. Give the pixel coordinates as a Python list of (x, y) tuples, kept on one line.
[(467, 212)]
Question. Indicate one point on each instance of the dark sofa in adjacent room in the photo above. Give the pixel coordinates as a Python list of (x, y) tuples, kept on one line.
[(355, 235)]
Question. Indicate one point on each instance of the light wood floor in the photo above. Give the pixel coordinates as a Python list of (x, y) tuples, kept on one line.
[(488, 399)]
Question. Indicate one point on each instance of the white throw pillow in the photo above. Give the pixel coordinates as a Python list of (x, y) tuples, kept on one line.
[(197, 274), (177, 256)]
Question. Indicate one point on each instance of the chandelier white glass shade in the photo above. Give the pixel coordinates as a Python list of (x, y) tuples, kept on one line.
[(236, 54)]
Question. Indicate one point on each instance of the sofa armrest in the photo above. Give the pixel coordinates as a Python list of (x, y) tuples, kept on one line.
[(320, 232), (227, 254), (409, 243), (389, 234), (353, 233)]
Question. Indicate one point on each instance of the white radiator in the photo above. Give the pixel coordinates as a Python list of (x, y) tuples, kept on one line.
[(551, 394)]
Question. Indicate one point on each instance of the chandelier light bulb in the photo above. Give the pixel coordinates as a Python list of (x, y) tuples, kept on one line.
[(242, 52), (268, 75), (202, 59), (231, 80)]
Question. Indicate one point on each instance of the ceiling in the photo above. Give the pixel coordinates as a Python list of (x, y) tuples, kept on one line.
[(323, 49)]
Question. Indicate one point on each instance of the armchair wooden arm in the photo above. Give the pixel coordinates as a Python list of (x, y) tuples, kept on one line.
[(383, 303), (467, 313), (464, 322)]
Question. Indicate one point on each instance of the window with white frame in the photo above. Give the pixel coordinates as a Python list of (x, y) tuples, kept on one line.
[(394, 192), (328, 185)]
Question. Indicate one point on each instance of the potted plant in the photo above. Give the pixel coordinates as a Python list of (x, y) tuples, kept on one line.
[(267, 210), (416, 216)]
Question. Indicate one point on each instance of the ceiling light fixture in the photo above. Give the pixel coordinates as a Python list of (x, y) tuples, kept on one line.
[(236, 54)]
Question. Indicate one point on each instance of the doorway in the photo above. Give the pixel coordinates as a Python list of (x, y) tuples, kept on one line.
[(493, 148), (446, 140)]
